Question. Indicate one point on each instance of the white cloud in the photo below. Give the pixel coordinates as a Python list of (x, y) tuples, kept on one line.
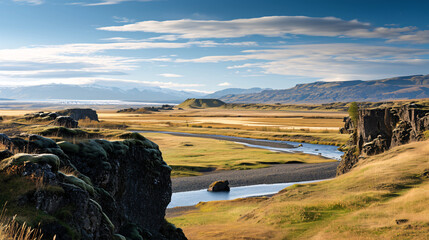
[(83, 59), (416, 37), (31, 2), (270, 26), (109, 2), (170, 75), (224, 84), (330, 61)]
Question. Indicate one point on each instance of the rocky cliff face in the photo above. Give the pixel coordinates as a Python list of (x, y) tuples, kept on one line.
[(378, 130), (94, 189)]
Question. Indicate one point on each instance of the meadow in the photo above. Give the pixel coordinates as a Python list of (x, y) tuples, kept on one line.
[(192, 156), (320, 127)]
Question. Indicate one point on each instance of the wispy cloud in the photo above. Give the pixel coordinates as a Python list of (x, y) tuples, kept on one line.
[(170, 75), (122, 19), (100, 81), (109, 2), (416, 37), (329, 61), (224, 84), (85, 59), (31, 2), (271, 26)]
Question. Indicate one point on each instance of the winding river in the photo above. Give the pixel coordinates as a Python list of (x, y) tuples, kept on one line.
[(190, 198), (327, 151)]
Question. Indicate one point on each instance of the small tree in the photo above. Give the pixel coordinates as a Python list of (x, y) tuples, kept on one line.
[(354, 112)]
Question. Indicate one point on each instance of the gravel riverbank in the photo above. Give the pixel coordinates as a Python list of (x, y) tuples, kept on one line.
[(281, 173)]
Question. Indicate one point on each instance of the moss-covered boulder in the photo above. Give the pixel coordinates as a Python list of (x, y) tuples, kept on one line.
[(22, 158)]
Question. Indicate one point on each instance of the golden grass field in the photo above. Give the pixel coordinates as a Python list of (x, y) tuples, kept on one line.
[(362, 204), (300, 126)]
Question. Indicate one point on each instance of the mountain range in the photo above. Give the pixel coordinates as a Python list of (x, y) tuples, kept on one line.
[(406, 87), (229, 91), (96, 92)]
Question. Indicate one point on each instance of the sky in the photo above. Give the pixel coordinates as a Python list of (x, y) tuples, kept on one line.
[(205, 46)]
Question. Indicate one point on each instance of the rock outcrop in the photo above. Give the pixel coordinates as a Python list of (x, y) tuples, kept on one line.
[(380, 129), (67, 122), (219, 186), (79, 113), (94, 189), (41, 116)]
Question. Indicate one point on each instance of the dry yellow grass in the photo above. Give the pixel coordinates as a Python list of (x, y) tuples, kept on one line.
[(362, 204), (10, 229), (300, 126)]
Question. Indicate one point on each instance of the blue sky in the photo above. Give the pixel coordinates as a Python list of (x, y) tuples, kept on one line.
[(206, 45)]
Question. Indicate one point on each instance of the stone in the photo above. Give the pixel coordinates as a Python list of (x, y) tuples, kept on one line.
[(219, 186), (67, 122)]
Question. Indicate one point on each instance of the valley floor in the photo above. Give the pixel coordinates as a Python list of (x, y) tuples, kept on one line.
[(280, 173), (383, 197)]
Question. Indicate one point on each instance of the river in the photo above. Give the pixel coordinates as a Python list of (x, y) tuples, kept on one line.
[(190, 198)]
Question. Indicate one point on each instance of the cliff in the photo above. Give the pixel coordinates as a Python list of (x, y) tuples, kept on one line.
[(380, 129), (94, 189)]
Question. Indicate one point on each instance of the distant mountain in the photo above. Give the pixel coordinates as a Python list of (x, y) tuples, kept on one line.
[(229, 91), (95, 92), (408, 87)]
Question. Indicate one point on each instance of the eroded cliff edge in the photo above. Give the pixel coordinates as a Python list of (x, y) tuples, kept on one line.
[(93, 189), (377, 130)]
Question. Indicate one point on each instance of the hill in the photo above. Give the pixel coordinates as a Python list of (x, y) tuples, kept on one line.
[(201, 103), (408, 87), (230, 91)]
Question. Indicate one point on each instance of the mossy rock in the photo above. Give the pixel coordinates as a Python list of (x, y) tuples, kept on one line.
[(118, 237), (64, 132), (68, 147), (70, 179), (21, 158), (132, 135), (132, 232), (105, 217), (92, 150), (42, 142), (115, 147)]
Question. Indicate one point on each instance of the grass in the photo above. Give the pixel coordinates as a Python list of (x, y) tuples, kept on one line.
[(25, 217), (10, 229), (362, 204), (191, 156), (320, 127)]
